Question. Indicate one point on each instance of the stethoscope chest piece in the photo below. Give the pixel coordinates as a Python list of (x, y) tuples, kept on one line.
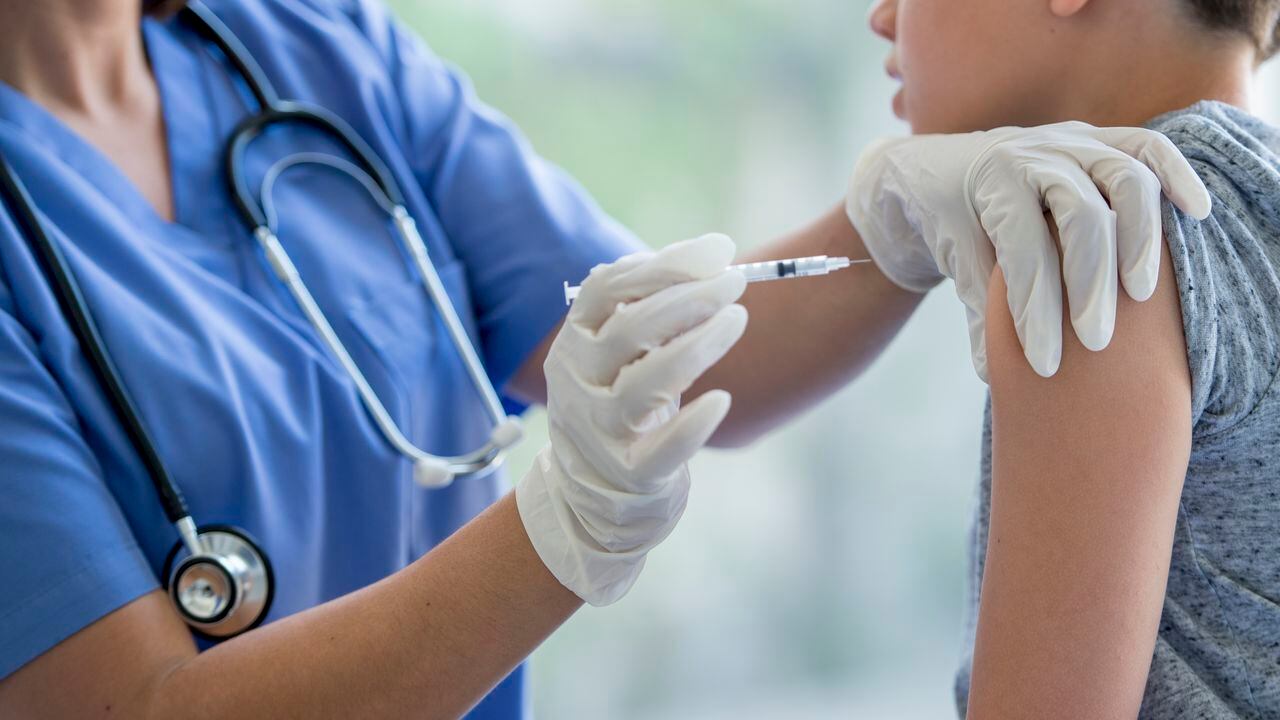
[(225, 589)]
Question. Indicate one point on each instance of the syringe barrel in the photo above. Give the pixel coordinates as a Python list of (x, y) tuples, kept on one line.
[(779, 269), (771, 270)]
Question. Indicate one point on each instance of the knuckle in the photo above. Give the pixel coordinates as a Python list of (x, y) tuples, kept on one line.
[(1092, 226), (622, 319), (1162, 144), (1137, 178), (596, 275), (1156, 150), (1092, 208), (1005, 154)]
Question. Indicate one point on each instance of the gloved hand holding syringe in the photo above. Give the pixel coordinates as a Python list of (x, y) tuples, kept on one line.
[(769, 270)]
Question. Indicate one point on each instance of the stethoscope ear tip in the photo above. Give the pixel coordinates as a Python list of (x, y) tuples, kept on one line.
[(432, 473)]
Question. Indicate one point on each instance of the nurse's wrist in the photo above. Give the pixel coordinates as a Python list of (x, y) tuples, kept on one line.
[(536, 579), (565, 546)]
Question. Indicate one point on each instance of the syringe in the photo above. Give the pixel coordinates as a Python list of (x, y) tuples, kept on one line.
[(769, 270)]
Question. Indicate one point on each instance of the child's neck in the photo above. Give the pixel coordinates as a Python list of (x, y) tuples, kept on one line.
[(1140, 82)]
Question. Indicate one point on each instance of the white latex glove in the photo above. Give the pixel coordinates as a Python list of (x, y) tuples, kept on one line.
[(612, 482), (953, 205)]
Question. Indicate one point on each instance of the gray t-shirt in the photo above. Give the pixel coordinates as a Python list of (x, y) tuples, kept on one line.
[(1218, 651)]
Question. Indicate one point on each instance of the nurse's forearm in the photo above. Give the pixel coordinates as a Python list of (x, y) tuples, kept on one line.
[(427, 642), (806, 338)]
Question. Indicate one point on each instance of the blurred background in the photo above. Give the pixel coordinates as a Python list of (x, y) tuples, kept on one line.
[(819, 574)]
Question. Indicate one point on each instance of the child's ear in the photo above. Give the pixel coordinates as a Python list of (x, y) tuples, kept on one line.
[(1066, 8)]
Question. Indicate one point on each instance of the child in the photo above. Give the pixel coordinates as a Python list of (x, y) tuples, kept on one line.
[(1127, 542)]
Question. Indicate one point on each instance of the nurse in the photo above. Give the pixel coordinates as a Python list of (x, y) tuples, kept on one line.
[(391, 599)]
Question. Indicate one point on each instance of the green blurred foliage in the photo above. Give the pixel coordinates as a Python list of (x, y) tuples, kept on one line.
[(642, 102)]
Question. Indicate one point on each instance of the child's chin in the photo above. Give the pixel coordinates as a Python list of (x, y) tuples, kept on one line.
[(900, 105)]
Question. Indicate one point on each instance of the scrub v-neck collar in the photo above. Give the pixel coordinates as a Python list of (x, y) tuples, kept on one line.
[(190, 134)]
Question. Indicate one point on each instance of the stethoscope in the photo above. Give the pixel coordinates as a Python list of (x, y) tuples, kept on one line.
[(218, 578)]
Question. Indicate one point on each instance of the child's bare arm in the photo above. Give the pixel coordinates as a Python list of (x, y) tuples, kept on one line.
[(1088, 469)]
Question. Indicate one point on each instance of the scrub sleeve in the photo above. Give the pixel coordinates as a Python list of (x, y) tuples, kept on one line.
[(67, 556), (519, 238), (518, 226)]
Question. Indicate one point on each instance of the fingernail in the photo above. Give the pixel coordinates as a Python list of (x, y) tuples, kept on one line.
[(1043, 351), (1139, 285), (1199, 204)]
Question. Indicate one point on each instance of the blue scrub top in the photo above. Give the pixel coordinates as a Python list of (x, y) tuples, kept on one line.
[(259, 425)]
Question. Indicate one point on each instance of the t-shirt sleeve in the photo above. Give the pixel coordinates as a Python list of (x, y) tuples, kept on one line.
[(520, 225), (1225, 270), (67, 557)]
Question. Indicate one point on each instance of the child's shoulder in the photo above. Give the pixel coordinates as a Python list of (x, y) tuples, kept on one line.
[(1210, 118), (1228, 264), (1232, 149)]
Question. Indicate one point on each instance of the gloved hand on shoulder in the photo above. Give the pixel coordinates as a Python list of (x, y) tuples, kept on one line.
[(934, 206)]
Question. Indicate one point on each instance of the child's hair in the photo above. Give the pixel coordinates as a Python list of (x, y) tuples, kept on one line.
[(1258, 19), (162, 8)]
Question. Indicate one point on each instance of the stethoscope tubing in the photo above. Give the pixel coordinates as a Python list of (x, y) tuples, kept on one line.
[(273, 112), (74, 307), (292, 112), (232, 557)]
